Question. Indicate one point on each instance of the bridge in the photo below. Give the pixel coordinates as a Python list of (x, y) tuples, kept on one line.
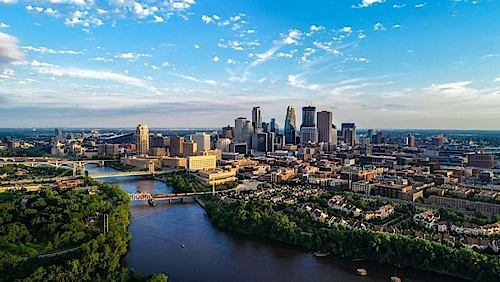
[(150, 171), (169, 197)]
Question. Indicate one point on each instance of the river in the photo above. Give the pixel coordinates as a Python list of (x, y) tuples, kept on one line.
[(210, 254)]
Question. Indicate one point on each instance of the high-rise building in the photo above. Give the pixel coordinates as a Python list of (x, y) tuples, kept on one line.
[(273, 126), (203, 141), (238, 127), (349, 133), (411, 141), (247, 132), (308, 117), (325, 126), (290, 127), (176, 146), (308, 135), (142, 139), (256, 119), (227, 132), (189, 148), (223, 144)]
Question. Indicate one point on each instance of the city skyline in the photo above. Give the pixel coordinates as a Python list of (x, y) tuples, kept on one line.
[(187, 63)]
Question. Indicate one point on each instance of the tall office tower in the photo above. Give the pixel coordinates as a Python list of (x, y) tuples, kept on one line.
[(273, 126), (189, 148), (142, 139), (325, 127), (308, 135), (265, 127), (411, 140), (247, 132), (58, 136), (290, 127), (223, 144), (259, 141), (238, 127), (227, 132), (256, 119), (176, 146), (203, 141), (349, 133), (308, 117), (334, 134)]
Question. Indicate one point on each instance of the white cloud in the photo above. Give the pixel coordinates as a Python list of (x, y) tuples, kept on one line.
[(229, 61), (131, 56), (295, 81), (421, 5), (7, 73), (4, 25), (497, 79), (158, 19), (101, 59), (191, 78), (396, 26), (9, 51), (347, 29), (361, 36), (92, 74), (36, 63), (91, 13), (50, 51), (8, 1), (378, 26), (292, 36), (367, 3), (489, 56), (216, 59), (398, 6), (196, 46), (206, 19)]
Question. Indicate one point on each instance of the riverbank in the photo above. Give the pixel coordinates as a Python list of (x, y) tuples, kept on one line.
[(259, 219)]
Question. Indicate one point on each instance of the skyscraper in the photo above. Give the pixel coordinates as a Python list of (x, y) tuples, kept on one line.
[(349, 133), (189, 148), (273, 126), (142, 139), (176, 146), (256, 119), (202, 140), (290, 127), (325, 127), (308, 117), (247, 132), (238, 127)]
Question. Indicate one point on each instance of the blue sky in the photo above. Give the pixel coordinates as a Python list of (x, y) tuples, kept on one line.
[(194, 63)]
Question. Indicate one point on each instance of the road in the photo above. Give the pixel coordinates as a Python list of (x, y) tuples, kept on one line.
[(58, 253)]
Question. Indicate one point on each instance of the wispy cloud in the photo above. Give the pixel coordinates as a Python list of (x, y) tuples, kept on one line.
[(50, 51), (4, 25), (192, 78), (92, 74), (131, 56)]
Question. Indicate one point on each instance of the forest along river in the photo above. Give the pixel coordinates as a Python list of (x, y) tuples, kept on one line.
[(210, 254)]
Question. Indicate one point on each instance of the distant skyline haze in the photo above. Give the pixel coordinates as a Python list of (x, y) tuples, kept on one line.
[(193, 63)]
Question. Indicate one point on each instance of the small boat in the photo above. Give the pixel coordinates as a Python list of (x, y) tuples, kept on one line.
[(183, 246), (321, 255), (361, 271), (395, 279)]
